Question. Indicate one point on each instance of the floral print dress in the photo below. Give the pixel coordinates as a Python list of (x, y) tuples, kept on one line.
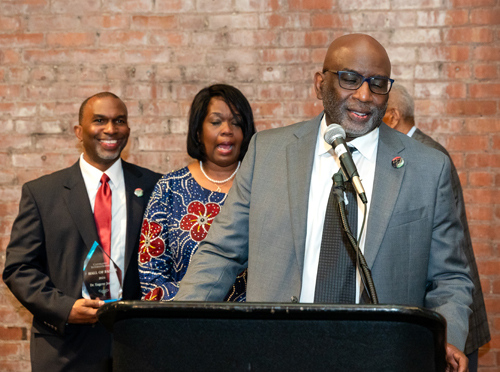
[(178, 217)]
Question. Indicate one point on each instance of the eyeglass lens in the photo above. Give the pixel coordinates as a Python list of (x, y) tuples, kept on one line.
[(351, 80)]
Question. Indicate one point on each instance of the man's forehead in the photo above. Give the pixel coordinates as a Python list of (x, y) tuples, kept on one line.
[(97, 105)]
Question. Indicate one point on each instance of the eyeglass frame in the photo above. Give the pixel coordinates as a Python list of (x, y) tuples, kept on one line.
[(363, 79)]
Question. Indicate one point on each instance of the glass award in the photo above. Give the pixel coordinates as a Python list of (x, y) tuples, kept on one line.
[(102, 278)]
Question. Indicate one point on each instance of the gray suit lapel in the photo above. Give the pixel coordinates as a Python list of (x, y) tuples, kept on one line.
[(300, 157), (135, 209), (77, 201), (386, 188)]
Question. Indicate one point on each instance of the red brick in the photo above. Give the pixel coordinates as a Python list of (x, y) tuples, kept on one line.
[(171, 39), (455, 107), (9, 23), (480, 178), (13, 333), (487, 358), (267, 109), (303, 109), (455, 53), (471, 3), (8, 56), (257, 5), (115, 21), (70, 39), (484, 71), (485, 16), (17, 40), (482, 160), (127, 6), (174, 142), (154, 22), (482, 125), (457, 70), (484, 90), (173, 6), (329, 21), (75, 6), (429, 107), (467, 143), (469, 35), (317, 38), (111, 38), (480, 213), (496, 142), (23, 7), (149, 55), (483, 249), (487, 53), (213, 6), (288, 56), (15, 366), (311, 4), (489, 268)]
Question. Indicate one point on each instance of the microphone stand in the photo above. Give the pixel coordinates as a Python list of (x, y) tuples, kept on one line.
[(366, 275)]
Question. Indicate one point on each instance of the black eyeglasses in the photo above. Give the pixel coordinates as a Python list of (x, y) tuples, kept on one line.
[(352, 80)]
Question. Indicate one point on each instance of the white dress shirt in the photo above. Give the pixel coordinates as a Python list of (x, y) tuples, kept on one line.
[(92, 178), (325, 165)]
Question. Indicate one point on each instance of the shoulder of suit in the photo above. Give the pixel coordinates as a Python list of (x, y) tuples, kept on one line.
[(290, 131), (429, 141), (416, 148), (142, 172)]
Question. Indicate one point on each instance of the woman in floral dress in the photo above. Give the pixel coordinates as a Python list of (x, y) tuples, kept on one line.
[(186, 201)]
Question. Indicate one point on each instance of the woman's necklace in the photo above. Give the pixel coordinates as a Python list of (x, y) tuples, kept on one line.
[(217, 183)]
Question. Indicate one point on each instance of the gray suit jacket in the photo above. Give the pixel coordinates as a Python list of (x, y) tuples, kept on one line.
[(413, 233), (479, 332)]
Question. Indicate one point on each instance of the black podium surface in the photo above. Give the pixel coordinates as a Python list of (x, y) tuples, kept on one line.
[(214, 336)]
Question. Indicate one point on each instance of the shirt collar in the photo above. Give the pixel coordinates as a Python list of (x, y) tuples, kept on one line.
[(92, 175), (366, 144), (412, 130)]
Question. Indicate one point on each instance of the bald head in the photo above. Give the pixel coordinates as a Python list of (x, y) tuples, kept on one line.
[(367, 51)]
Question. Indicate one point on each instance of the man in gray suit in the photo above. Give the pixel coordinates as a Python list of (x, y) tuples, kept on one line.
[(400, 115), (273, 218)]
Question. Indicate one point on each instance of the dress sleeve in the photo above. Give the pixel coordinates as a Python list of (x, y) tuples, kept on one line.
[(155, 259)]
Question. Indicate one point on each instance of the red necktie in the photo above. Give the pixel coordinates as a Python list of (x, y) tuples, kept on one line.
[(102, 215)]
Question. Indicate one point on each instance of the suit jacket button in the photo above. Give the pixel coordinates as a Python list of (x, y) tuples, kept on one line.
[(295, 299)]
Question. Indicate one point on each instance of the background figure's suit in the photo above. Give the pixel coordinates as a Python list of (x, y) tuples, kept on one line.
[(50, 239)]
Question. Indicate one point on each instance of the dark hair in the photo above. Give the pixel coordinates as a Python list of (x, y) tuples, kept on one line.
[(237, 103), (98, 95)]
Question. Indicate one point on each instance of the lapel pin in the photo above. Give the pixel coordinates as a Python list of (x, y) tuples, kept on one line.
[(398, 162), (138, 192)]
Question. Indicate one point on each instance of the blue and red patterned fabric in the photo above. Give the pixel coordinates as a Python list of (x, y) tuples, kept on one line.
[(178, 217)]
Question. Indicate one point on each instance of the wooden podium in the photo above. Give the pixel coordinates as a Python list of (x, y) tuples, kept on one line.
[(268, 337)]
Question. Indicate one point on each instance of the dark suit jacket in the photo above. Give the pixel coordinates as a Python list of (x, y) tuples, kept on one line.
[(479, 332), (50, 239)]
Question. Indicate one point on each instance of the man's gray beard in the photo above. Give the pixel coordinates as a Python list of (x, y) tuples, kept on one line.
[(336, 109)]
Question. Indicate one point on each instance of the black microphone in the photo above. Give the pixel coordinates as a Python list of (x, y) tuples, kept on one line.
[(335, 137)]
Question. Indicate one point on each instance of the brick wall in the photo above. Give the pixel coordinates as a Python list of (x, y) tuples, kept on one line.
[(156, 54)]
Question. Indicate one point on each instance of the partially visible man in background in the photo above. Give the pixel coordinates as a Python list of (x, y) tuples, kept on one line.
[(101, 198), (400, 116)]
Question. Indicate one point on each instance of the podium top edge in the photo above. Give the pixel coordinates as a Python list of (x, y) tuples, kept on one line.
[(116, 311)]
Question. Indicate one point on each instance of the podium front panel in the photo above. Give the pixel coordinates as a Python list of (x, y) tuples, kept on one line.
[(274, 337)]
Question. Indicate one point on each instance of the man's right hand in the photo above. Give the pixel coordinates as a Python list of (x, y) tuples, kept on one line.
[(84, 311)]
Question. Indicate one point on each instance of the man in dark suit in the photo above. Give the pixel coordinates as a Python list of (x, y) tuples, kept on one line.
[(400, 115), (273, 219), (55, 229)]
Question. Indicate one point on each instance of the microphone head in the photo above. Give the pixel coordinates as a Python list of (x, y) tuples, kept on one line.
[(333, 131)]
